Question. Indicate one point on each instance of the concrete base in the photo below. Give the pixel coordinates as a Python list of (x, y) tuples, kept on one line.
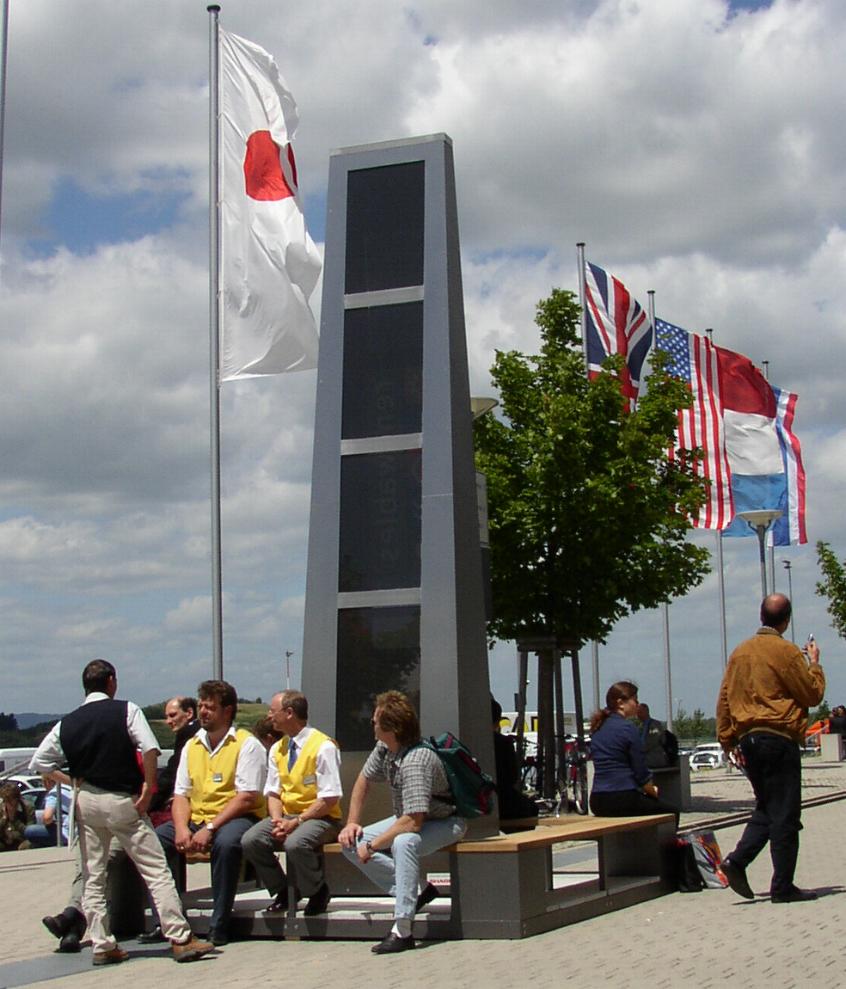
[(832, 748)]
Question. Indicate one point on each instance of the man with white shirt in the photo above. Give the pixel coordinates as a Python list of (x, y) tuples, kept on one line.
[(217, 798), (99, 741), (303, 793)]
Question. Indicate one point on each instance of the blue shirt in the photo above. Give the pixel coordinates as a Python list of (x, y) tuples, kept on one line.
[(618, 759)]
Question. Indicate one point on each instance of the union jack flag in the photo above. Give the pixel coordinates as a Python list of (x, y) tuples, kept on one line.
[(696, 360), (615, 323)]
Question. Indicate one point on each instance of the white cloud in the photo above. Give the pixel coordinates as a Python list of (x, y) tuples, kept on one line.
[(698, 154)]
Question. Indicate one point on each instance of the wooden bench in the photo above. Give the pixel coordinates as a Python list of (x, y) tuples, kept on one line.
[(505, 886)]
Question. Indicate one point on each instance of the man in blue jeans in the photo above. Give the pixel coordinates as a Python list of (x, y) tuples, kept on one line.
[(762, 714), (423, 821)]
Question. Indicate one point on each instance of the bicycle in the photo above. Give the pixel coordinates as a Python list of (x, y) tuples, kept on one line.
[(572, 777)]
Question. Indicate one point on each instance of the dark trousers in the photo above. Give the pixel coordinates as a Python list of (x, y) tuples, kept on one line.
[(629, 803), (225, 865), (774, 768)]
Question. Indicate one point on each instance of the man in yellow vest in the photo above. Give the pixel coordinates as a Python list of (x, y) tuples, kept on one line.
[(217, 797), (303, 800)]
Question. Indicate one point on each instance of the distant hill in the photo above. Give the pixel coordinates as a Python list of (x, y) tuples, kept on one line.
[(28, 719)]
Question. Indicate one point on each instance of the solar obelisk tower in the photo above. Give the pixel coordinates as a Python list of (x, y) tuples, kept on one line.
[(394, 596)]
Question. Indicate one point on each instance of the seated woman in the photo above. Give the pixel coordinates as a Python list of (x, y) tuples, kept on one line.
[(43, 833), (13, 819), (622, 782)]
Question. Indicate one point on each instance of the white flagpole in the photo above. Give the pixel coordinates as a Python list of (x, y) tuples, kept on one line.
[(4, 55), (214, 336), (580, 255), (723, 638), (665, 608), (770, 534)]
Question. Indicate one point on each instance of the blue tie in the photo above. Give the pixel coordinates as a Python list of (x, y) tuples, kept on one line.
[(292, 754)]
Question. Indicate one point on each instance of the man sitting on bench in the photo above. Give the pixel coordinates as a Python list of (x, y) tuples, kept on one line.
[(424, 820), (217, 798)]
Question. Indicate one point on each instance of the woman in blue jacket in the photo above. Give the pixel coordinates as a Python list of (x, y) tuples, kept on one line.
[(622, 782)]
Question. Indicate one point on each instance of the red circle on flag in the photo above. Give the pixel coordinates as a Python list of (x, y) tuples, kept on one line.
[(263, 175)]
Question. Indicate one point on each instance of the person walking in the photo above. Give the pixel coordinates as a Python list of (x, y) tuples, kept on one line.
[(762, 716)]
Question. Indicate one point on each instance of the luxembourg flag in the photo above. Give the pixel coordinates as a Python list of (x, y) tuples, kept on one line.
[(764, 455)]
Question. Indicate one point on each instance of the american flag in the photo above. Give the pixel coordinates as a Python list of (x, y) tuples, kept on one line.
[(615, 323), (694, 359)]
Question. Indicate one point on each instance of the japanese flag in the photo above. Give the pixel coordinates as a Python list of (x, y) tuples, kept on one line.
[(270, 265)]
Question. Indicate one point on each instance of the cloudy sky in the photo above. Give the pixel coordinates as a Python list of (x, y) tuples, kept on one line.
[(697, 147)]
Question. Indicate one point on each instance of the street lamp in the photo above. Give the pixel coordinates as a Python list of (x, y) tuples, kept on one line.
[(760, 521), (788, 566)]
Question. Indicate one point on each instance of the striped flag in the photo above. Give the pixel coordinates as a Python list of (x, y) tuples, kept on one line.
[(790, 529), (615, 323), (695, 360)]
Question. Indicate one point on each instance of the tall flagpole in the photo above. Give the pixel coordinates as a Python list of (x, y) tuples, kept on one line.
[(580, 257), (723, 638), (720, 566), (771, 534), (214, 336), (665, 608), (4, 55)]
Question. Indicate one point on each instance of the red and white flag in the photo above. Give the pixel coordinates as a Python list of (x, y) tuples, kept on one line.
[(270, 265)]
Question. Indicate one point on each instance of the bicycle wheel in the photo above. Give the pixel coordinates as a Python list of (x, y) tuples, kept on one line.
[(580, 790)]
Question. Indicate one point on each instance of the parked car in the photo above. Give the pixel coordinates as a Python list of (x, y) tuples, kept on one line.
[(24, 782), (708, 755), (704, 760), (35, 798)]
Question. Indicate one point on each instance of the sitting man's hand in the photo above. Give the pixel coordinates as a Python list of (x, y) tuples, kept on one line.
[(349, 835), (202, 840)]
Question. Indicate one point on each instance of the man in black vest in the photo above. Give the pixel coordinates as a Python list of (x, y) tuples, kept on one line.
[(99, 741)]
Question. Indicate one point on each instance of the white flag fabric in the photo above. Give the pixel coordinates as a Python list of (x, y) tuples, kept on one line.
[(270, 265)]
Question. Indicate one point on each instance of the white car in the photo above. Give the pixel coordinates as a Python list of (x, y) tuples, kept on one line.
[(709, 755), (25, 781)]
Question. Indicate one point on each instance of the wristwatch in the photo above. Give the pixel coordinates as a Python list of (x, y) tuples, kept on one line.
[(210, 827), (369, 846)]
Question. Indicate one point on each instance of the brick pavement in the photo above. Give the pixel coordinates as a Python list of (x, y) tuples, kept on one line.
[(700, 940)]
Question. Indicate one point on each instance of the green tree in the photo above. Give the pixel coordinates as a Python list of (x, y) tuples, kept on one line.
[(694, 727), (588, 512), (833, 586)]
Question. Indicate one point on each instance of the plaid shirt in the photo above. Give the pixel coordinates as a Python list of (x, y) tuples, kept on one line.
[(416, 777)]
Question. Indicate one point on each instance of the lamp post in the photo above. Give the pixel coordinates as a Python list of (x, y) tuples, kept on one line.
[(788, 566), (760, 521)]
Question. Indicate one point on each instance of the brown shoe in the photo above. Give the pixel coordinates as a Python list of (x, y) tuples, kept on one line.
[(112, 957), (191, 950)]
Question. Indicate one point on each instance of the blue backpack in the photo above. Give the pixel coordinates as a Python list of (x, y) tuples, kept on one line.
[(472, 789)]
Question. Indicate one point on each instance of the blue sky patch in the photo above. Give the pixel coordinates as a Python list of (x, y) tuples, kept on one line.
[(81, 222)]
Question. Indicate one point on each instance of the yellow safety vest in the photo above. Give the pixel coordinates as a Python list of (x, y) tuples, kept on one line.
[(213, 777), (298, 789)]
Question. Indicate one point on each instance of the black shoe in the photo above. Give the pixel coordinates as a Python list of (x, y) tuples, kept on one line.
[(69, 945), (155, 936), (429, 893), (318, 902), (392, 943), (794, 895), (737, 879), (280, 903), (218, 938), (70, 919)]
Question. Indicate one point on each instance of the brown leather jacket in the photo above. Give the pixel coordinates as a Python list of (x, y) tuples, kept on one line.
[(768, 685)]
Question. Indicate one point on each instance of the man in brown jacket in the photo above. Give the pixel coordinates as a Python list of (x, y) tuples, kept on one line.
[(762, 714)]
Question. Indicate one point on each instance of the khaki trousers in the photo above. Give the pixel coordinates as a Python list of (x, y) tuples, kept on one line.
[(101, 816)]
